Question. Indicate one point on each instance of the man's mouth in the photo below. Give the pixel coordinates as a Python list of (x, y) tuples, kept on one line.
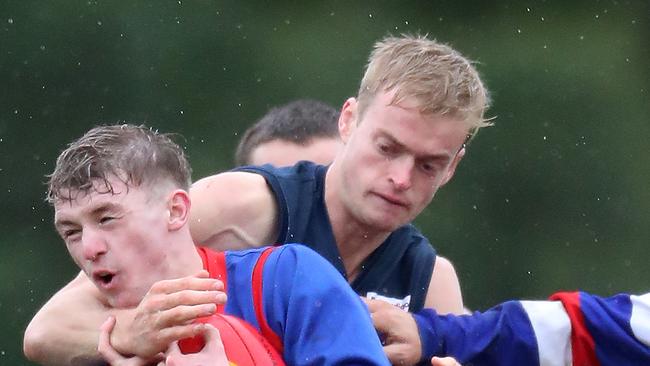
[(103, 278), (392, 200)]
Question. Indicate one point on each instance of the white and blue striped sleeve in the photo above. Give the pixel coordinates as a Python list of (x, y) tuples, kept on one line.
[(570, 329)]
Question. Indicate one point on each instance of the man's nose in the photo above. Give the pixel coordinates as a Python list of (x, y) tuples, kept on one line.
[(401, 172), (94, 245)]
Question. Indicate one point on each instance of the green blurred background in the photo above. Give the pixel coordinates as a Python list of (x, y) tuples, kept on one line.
[(553, 197)]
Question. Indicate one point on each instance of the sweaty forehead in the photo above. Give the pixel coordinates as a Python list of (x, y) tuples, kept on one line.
[(390, 101), (425, 136), (102, 196), (84, 203)]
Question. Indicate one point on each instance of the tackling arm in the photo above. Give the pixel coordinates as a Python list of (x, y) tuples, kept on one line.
[(233, 210), (66, 330)]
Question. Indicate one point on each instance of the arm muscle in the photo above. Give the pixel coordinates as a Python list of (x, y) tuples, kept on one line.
[(233, 210), (444, 293)]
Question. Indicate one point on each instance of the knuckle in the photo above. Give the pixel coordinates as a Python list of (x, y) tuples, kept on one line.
[(158, 286), (184, 297), (175, 313), (153, 304), (184, 282)]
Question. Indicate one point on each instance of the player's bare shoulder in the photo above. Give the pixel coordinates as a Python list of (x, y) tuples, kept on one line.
[(233, 210), (444, 293)]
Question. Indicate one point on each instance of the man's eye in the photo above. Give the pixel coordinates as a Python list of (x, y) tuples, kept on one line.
[(70, 234), (106, 219), (384, 148), (426, 167)]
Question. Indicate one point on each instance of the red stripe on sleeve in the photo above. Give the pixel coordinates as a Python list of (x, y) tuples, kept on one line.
[(582, 343)]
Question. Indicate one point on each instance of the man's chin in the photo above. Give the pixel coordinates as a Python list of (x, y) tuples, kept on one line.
[(388, 220), (385, 223), (122, 302)]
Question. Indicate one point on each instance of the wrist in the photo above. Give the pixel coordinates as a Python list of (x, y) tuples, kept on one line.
[(430, 345), (120, 336)]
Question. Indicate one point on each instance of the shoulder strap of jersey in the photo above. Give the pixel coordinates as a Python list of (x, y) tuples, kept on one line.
[(266, 330), (215, 263)]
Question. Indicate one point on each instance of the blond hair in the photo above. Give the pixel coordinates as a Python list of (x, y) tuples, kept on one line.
[(438, 78)]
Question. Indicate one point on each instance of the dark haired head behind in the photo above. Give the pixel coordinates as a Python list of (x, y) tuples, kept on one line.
[(304, 129)]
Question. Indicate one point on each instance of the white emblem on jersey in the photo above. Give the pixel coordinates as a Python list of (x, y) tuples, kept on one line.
[(400, 303)]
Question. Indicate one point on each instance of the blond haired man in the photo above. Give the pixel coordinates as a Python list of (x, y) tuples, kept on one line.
[(404, 135)]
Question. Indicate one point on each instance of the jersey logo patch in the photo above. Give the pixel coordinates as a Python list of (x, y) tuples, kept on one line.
[(400, 303)]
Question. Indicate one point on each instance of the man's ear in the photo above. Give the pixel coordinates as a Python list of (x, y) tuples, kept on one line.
[(178, 207), (348, 119), (454, 164)]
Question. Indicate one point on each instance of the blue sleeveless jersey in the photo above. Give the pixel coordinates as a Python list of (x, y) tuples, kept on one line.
[(400, 267)]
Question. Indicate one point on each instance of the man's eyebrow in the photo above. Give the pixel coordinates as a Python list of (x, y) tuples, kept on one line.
[(392, 140), (436, 157), (60, 223), (106, 206)]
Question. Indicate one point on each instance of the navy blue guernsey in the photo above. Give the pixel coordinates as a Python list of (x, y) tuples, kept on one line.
[(398, 271)]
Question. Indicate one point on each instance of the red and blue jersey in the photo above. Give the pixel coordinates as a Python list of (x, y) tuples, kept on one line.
[(575, 329), (306, 303)]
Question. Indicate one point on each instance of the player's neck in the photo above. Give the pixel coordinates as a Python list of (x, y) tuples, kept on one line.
[(355, 240), (352, 234), (183, 257)]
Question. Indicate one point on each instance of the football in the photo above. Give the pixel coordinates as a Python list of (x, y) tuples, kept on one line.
[(244, 345)]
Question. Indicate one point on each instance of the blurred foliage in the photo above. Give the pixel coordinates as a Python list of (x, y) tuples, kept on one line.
[(553, 197)]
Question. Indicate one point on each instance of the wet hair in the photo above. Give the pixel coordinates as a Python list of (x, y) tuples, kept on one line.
[(298, 122), (136, 155), (438, 78)]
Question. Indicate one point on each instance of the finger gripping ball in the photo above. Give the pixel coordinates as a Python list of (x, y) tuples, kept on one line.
[(244, 345)]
